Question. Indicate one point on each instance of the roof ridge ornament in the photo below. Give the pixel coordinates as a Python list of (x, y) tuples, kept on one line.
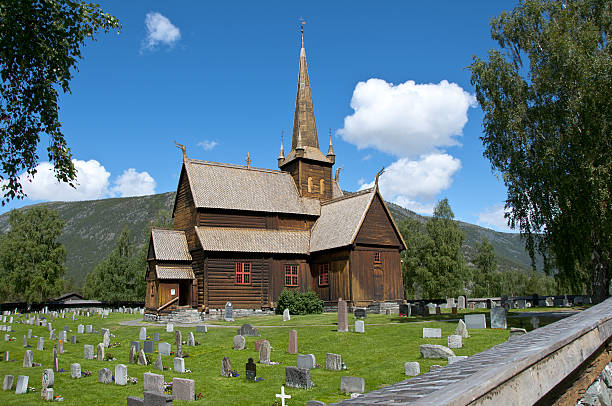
[(183, 148), (248, 160), (377, 176)]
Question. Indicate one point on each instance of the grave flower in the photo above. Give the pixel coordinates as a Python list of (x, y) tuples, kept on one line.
[(132, 380), (199, 396)]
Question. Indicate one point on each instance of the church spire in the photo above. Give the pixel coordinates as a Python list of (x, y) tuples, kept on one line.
[(304, 125), (330, 151)]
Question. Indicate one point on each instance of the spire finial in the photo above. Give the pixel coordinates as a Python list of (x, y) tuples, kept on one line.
[(330, 151), (302, 22), (248, 160), (282, 150)]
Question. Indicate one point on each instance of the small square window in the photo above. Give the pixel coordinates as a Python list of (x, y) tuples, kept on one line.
[(291, 275), (324, 275), (243, 273), (377, 257)]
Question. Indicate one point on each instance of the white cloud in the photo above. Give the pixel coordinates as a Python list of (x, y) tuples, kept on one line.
[(493, 217), (207, 145), (92, 183), (409, 183), (408, 119), (160, 31), (367, 157), (133, 183)]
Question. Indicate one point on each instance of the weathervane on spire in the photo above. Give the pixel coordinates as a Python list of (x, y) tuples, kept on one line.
[(302, 23), (248, 160)]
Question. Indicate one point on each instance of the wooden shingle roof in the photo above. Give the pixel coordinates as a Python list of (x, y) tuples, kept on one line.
[(170, 245), (235, 187), (174, 272), (253, 240)]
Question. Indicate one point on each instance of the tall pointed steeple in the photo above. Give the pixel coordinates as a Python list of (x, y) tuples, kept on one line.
[(304, 120)]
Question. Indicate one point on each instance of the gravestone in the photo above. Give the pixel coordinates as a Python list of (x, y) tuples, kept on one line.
[(22, 385), (438, 310), (432, 332), (169, 328), (454, 310), (155, 336), (342, 316), (73, 339), (550, 301), (120, 374), (105, 375), (89, 328), (247, 330), (75, 371), (149, 347), (498, 317), (352, 384), (431, 309), (100, 352), (293, 342), (412, 368), (359, 313), (454, 341), (239, 342), (298, 378), (359, 326), (6, 356), (404, 310), (306, 361), (25, 342), (333, 362), (88, 351), (191, 339), (55, 363), (66, 328), (473, 321), (48, 380), (156, 399), (29, 333), (228, 315), (132, 355), (435, 351), (164, 348), (226, 367), (179, 365), (142, 358), (178, 342), (250, 370), (258, 344), (521, 304), (264, 352), (286, 315), (135, 344), (183, 389), (201, 329), (40, 345), (461, 329), (450, 302), (105, 337), (159, 365), (7, 384), (456, 358), (143, 334), (153, 382), (28, 359)]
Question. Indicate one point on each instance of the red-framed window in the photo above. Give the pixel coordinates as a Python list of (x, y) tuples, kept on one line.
[(291, 275), (324, 275), (377, 257), (243, 273)]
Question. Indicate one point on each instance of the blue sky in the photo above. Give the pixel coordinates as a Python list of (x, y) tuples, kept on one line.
[(388, 78)]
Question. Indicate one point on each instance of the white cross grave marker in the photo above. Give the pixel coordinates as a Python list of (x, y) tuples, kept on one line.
[(282, 396)]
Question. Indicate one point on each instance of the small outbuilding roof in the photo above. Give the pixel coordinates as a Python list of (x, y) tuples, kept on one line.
[(174, 272), (253, 240), (170, 245)]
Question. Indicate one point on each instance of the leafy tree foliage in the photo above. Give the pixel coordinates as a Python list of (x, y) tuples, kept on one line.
[(31, 258), (414, 235), (486, 265), (40, 44), (120, 276), (546, 99)]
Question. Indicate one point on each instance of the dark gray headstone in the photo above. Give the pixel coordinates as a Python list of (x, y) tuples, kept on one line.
[(298, 378), (149, 347), (157, 399), (155, 336), (250, 370), (201, 329), (247, 330), (360, 313), (229, 312), (73, 339), (226, 367), (135, 401), (498, 317), (404, 310)]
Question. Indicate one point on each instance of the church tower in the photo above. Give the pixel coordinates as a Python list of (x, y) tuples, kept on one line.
[(311, 170)]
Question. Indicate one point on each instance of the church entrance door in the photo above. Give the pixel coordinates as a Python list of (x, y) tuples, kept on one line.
[(378, 283)]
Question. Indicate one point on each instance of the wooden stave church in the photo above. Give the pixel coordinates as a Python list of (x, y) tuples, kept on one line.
[(243, 234)]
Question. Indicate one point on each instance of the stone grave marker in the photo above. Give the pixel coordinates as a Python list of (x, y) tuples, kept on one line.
[(473, 321), (250, 370), (190, 339), (438, 310), (159, 365), (454, 310), (178, 341), (48, 380), (55, 363), (75, 370), (28, 359), (306, 361), (226, 367), (461, 329), (89, 328), (40, 345), (298, 378), (550, 301), (258, 344), (105, 337), (7, 384), (25, 342), (456, 358), (359, 313), (342, 317), (228, 315), (435, 351), (142, 358), (169, 328), (22, 385), (264, 352), (73, 339), (352, 384), (432, 332), (164, 348), (29, 333), (359, 326), (100, 352), (201, 329), (149, 347), (120, 374), (286, 315), (454, 341), (183, 389), (412, 368), (293, 342), (179, 365), (239, 342), (247, 330), (450, 302), (105, 375), (6, 356), (132, 355), (143, 334), (404, 310), (498, 317), (156, 399), (135, 344), (521, 304), (333, 362), (155, 336)]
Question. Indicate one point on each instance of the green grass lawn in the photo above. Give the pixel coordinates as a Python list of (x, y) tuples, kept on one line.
[(378, 356)]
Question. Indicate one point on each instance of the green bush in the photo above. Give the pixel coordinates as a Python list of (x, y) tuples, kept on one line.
[(299, 303)]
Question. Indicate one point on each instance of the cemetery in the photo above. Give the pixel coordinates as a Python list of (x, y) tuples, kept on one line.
[(312, 356)]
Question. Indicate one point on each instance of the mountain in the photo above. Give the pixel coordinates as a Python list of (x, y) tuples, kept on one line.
[(93, 227)]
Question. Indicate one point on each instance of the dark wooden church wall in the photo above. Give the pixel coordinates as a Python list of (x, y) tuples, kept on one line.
[(198, 266), (362, 271), (339, 280), (277, 275), (317, 172), (184, 211), (245, 219), (377, 228)]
